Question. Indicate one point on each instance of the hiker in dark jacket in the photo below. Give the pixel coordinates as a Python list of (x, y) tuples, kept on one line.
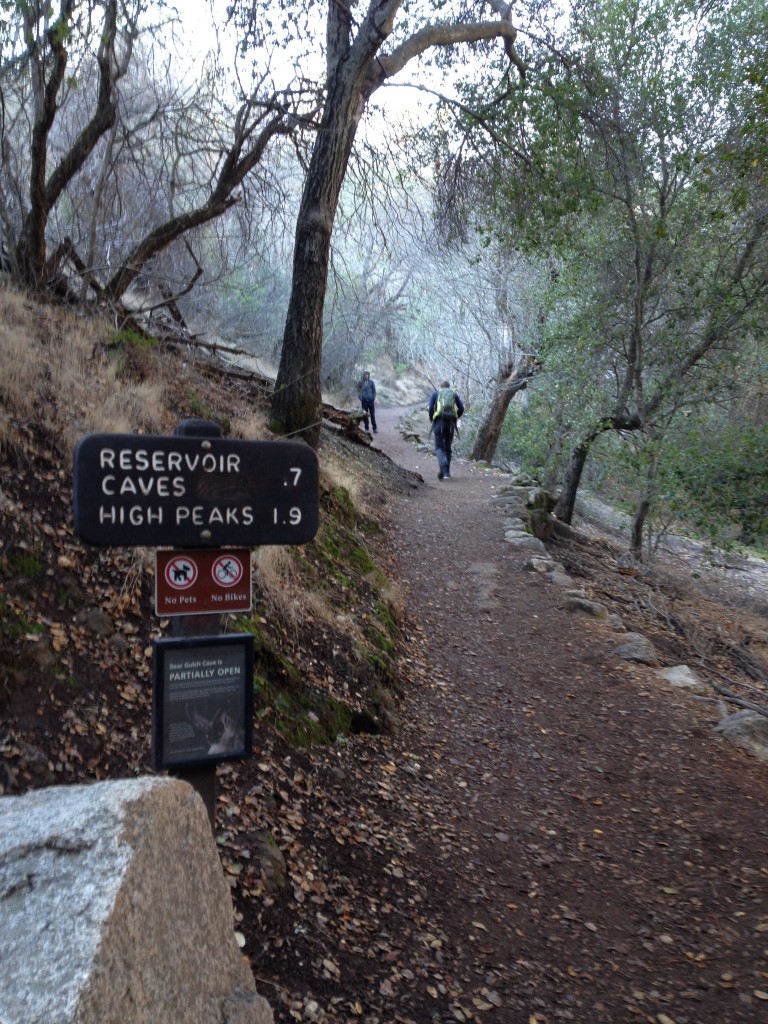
[(445, 410), (367, 391)]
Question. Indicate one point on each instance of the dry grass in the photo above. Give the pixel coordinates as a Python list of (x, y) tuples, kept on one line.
[(274, 568), (58, 376), (335, 473), (251, 427), (285, 587), (285, 590), (394, 598)]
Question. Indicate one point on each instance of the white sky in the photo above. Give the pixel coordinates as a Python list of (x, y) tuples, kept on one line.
[(198, 37)]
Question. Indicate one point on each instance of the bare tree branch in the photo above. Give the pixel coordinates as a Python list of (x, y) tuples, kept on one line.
[(447, 35), (238, 163)]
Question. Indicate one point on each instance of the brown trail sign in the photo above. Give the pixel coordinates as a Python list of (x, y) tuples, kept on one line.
[(146, 491)]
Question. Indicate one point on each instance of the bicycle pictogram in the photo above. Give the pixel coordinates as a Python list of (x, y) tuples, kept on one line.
[(227, 571)]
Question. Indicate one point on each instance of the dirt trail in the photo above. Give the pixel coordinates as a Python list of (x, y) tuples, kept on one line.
[(595, 852)]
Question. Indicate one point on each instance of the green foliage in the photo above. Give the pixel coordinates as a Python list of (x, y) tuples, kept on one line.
[(129, 349), (638, 160), (525, 437), (302, 716), (344, 506), (196, 406), (300, 712), (14, 626), (717, 478), (340, 544)]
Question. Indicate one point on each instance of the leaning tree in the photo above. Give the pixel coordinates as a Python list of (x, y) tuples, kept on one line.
[(364, 49)]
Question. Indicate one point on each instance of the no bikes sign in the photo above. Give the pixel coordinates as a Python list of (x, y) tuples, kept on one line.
[(202, 582)]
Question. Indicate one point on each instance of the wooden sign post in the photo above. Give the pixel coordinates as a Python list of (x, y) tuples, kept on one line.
[(201, 776), (194, 492)]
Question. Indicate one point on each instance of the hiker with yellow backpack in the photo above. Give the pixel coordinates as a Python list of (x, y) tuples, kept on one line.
[(445, 410)]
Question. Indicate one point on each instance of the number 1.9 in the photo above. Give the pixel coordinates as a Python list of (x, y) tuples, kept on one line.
[(294, 516)]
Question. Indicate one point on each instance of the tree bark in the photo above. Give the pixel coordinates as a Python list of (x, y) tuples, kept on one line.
[(638, 525), (509, 382), (572, 481), (31, 250), (642, 512), (578, 459), (297, 399)]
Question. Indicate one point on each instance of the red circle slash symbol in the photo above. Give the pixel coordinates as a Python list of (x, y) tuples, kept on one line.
[(227, 570), (181, 573)]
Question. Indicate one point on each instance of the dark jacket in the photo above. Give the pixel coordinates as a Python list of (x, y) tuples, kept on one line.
[(433, 403), (367, 390)]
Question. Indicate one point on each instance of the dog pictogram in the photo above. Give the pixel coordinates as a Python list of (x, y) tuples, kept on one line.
[(181, 573)]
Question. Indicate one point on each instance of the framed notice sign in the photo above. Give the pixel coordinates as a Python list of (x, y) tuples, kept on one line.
[(202, 707)]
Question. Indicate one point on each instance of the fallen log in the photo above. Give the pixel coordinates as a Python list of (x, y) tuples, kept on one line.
[(345, 420), (348, 422)]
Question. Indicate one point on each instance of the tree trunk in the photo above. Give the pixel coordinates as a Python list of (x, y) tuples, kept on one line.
[(638, 525), (567, 500), (565, 505), (488, 435), (30, 253), (509, 382), (44, 194), (642, 511), (296, 403)]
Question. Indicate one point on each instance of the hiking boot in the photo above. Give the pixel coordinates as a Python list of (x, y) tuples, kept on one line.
[(440, 474), (447, 476)]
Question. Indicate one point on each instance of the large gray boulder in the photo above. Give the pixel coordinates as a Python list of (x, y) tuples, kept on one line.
[(637, 647), (747, 729), (114, 910), (684, 678)]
